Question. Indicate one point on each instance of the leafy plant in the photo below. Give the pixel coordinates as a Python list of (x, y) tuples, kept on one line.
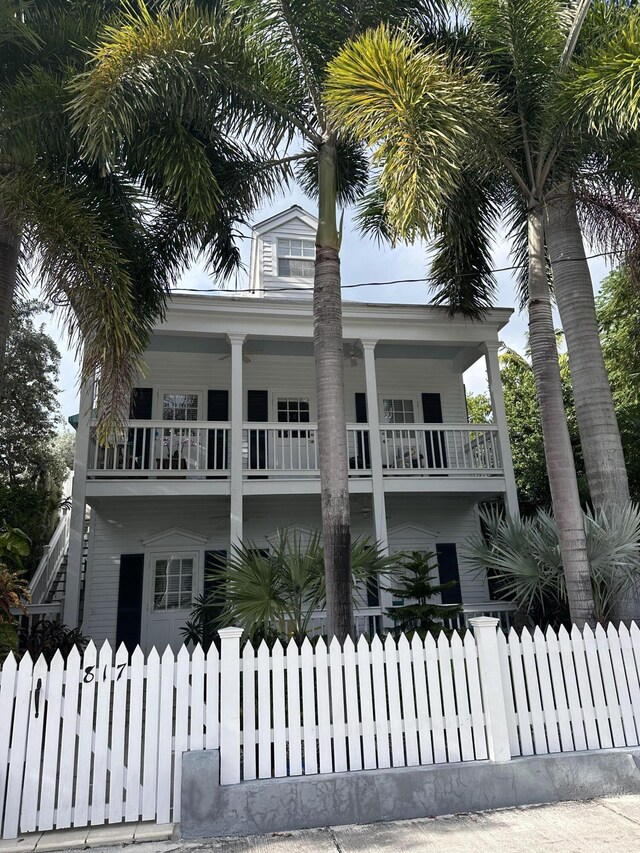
[(523, 555), (414, 581), (48, 637), (276, 592), (14, 589)]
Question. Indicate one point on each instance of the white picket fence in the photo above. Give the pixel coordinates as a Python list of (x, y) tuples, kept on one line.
[(97, 739)]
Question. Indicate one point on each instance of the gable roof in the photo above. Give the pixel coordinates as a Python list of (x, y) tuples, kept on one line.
[(279, 219)]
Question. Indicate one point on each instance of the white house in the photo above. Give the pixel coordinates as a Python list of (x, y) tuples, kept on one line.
[(221, 444)]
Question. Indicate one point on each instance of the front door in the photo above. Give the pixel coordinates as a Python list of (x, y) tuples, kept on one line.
[(173, 579), (294, 449)]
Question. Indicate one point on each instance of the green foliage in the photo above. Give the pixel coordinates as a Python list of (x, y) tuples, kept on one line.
[(48, 637), (413, 580), (523, 556), (479, 409), (276, 592), (14, 591)]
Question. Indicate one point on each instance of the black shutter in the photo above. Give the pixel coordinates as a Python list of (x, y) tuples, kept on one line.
[(130, 600), (212, 560), (436, 443), (448, 570), (257, 412), (363, 456), (217, 410), (141, 410)]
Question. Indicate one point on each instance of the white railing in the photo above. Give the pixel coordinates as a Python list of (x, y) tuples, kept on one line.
[(120, 726), (51, 561), (162, 448), (277, 448), (502, 610), (460, 449)]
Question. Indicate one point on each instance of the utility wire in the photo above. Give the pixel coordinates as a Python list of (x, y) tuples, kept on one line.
[(373, 283)]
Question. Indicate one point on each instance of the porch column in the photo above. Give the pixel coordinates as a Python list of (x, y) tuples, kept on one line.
[(71, 607), (375, 448), (500, 419), (236, 342)]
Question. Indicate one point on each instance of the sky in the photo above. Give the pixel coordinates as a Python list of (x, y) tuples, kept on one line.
[(362, 260)]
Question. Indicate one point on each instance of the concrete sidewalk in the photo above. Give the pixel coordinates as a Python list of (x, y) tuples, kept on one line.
[(612, 824)]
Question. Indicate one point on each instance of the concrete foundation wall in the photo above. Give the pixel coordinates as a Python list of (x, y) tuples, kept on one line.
[(274, 805)]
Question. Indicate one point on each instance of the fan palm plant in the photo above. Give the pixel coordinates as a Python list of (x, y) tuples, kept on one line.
[(526, 49), (258, 68), (103, 241)]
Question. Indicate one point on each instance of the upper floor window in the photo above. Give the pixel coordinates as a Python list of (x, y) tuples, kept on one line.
[(296, 258), (398, 411), (179, 407)]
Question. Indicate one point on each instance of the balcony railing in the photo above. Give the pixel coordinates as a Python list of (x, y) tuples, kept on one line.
[(201, 449)]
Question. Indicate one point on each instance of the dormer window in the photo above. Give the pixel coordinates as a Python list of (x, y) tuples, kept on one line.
[(296, 258)]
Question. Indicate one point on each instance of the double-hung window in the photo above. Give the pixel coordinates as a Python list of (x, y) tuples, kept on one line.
[(293, 410), (173, 577), (296, 258)]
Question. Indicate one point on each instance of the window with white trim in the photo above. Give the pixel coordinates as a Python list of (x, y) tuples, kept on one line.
[(397, 411), (296, 258), (173, 581), (293, 410), (180, 407)]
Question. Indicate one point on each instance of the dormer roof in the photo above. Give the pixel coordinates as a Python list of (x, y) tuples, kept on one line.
[(294, 224)]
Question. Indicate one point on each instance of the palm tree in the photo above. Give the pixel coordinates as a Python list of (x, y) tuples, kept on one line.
[(526, 50), (263, 62), (104, 245)]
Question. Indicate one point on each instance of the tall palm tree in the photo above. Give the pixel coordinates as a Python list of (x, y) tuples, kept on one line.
[(269, 58), (104, 245), (525, 47)]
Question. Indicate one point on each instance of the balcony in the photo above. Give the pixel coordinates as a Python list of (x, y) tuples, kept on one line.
[(202, 450)]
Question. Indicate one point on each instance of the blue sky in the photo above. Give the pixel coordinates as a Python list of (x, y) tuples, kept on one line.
[(362, 261)]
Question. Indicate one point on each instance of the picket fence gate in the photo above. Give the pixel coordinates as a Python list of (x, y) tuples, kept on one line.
[(97, 739)]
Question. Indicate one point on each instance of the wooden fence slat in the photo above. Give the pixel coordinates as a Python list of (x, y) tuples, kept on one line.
[(422, 700), (165, 736), (559, 690), (448, 699), (35, 713), (85, 737), (151, 737), (597, 688), (408, 702), (18, 746), (475, 695), (118, 719), (365, 692), (101, 738), (294, 719), (46, 817), (520, 693), (264, 712), (7, 690), (68, 741), (309, 709), (584, 688), (393, 698), (462, 698), (133, 805), (337, 707), (622, 688), (608, 681), (435, 700), (196, 727), (631, 669), (324, 713), (279, 716), (507, 689), (546, 694), (351, 701), (380, 703), (533, 691), (248, 712), (181, 736), (571, 684), (212, 713)]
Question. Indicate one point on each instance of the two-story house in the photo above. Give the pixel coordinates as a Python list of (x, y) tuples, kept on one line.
[(221, 444)]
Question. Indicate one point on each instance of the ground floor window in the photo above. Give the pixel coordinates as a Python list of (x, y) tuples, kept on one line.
[(173, 577)]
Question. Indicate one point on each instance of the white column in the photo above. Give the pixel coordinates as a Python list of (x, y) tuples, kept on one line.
[(229, 705), (70, 612), (495, 711), (500, 419), (375, 450), (236, 342)]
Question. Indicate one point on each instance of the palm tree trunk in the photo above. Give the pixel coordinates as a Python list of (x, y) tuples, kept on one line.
[(595, 413), (557, 444), (332, 427), (9, 253)]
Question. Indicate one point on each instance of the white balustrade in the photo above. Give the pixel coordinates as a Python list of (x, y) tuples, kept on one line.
[(50, 562), (277, 448), (459, 449)]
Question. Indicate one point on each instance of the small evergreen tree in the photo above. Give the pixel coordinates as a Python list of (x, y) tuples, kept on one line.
[(414, 582)]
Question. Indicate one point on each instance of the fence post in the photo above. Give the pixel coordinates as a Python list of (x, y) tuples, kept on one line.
[(230, 705), (484, 631)]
